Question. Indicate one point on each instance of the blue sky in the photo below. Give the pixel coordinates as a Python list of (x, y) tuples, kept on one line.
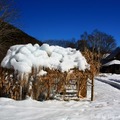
[(66, 19)]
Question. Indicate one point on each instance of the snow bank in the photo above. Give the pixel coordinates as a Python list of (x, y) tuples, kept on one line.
[(23, 57)]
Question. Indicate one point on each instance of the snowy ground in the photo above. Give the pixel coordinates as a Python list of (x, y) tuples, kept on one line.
[(105, 107)]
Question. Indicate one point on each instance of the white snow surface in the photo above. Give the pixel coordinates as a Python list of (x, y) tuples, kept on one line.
[(23, 57), (113, 62), (106, 105), (42, 73)]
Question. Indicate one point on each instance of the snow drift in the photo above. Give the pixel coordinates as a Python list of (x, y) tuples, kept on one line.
[(23, 57)]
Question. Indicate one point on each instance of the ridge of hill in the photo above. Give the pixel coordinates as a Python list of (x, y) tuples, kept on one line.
[(10, 35)]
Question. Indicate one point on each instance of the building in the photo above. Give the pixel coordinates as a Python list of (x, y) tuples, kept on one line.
[(111, 64)]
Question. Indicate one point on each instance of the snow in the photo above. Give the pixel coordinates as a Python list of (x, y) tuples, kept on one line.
[(113, 62), (23, 57), (105, 55), (42, 73), (106, 105)]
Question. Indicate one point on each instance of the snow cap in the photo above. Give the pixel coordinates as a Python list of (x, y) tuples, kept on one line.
[(23, 57)]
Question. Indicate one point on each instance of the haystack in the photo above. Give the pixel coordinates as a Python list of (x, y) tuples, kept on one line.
[(44, 72)]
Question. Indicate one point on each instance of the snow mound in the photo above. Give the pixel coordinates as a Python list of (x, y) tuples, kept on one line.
[(23, 57)]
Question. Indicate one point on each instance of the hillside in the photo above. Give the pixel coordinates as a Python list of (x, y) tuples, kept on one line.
[(11, 36)]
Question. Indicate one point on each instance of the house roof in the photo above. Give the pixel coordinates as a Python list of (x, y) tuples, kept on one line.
[(113, 62), (114, 53)]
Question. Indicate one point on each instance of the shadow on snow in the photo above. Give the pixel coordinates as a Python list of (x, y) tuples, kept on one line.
[(113, 84)]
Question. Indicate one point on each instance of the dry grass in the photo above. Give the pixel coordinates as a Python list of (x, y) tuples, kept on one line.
[(18, 86)]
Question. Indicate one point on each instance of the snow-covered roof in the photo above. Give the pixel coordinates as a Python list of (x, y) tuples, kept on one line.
[(105, 55), (113, 62), (114, 53), (23, 57)]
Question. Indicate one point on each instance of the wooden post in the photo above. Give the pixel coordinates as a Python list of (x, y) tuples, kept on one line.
[(48, 96), (20, 92), (92, 89), (78, 88)]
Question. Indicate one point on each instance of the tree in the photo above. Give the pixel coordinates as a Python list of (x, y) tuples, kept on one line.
[(108, 45), (8, 11), (82, 43), (101, 42), (61, 42), (97, 41), (8, 14), (71, 43)]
